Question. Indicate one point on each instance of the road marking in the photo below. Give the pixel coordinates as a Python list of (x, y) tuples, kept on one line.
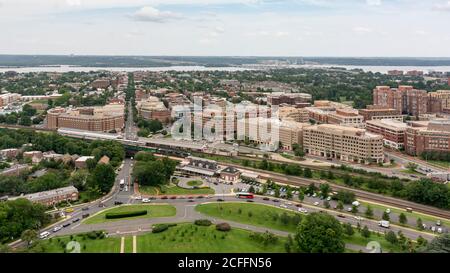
[(122, 245), (75, 226), (134, 244)]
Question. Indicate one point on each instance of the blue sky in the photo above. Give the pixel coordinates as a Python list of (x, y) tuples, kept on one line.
[(227, 27)]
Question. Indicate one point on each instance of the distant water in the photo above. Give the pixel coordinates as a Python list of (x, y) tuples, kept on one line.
[(67, 68)]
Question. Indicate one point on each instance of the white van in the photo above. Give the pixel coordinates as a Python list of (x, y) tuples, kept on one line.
[(44, 235)]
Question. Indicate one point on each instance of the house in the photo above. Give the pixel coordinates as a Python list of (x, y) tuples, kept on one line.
[(230, 174), (35, 156), (8, 153), (104, 160), (81, 161), (52, 197)]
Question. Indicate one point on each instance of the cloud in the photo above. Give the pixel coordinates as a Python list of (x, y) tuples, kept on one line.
[(442, 7), (374, 2), (151, 14), (362, 30)]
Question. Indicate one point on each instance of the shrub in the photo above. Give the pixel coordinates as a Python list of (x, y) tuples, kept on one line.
[(223, 227), (159, 228), (116, 215), (203, 222)]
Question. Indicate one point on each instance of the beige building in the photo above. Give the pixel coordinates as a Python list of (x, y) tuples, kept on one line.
[(100, 119), (153, 108), (344, 143), (293, 113)]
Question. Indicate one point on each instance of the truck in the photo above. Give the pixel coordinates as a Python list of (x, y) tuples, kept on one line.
[(384, 224), (122, 183)]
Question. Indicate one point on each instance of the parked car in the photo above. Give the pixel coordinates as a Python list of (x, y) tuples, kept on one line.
[(191, 200), (388, 211), (200, 197), (173, 197), (302, 210), (266, 198), (438, 223), (341, 215), (164, 197), (298, 205), (316, 203)]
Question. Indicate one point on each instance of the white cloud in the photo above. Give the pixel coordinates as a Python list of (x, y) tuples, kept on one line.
[(362, 30), (151, 14), (442, 7), (374, 2)]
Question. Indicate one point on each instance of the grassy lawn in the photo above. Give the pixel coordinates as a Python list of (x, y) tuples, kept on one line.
[(443, 164), (153, 211), (106, 245), (262, 215), (194, 183), (189, 238), (358, 239), (174, 190)]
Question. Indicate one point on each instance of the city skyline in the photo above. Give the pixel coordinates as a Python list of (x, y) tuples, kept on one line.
[(227, 28)]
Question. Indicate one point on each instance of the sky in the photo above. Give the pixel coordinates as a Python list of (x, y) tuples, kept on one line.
[(359, 28)]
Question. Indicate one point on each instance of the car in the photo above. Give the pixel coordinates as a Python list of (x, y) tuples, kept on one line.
[(75, 220), (57, 228), (358, 218), (191, 200), (439, 230), (250, 201), (138, 197), (433, 229), (164, 197), (146, 200), (182, 197), (215, 183), (220, 200), (298, 205), (85, 208), (66, 224), (438, 223), (302, 210), (349, 209), (118, 203), (316, 203), (68, 210), (266, 198), (288, 204), (173, 197), (328, 198), (314, 195), (276, 200), (85, 215), (341, 215), (283, 206), (190, 197), (101, 205), (200, 197), (388, 211), (44, 235)]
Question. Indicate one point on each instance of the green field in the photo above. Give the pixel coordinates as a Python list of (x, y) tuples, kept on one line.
[(174, 190), (261, 215), (153, 211), (190, 238), (194, 183), (358, 239), (106, 245)]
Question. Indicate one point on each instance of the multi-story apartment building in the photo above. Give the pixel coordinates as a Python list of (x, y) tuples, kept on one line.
[(52, 197), (428, 136), (405, 99), (439, 101), (293, 113), (344, 143), (346, 117), (8, 98), (99, 119), (393, 131), (153, 108), (288, 98), (380, 112)]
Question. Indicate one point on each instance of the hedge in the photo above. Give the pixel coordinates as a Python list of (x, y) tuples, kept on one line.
[(115, 215), (203, 222), (159, 228)]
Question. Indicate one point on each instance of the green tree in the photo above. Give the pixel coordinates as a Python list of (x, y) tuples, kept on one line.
[(369, 212), (301, 196), (402, 219), (340, 205), (391, 237), (307, 173), (440, 244), (348, 229), (386, 216), (320, 233), (325, 189), (365, 232), (102, 176), (419, 224), (28, 236)]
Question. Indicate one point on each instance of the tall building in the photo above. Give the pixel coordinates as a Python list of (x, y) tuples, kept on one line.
[(439, 101), (344, 143), (99, 119), (428, 136), (393, 131), (405, 99), (346, 117), (288, 98)]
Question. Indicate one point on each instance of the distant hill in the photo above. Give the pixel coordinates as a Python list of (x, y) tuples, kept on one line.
[(213, 61)]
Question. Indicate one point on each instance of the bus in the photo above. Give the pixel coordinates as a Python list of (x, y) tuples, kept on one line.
[(245, 195)]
